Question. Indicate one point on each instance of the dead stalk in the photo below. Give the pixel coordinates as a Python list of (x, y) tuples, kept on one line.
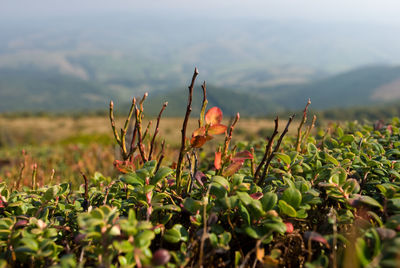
[(156, 130), (183, 131), (267, 149), (86, 195), (203, 105), (278, 144), (228, 136), (308, 131), (204, 235), (34, 173), (303, 121)]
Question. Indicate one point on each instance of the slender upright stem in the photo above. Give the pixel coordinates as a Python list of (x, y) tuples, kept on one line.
[(308, 131), (204, 104), (183, 131), (303, 121), (156, 129), (112, 120), (278, 144), (267, 150)]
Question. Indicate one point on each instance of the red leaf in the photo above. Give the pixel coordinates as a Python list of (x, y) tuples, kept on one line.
[(124, 166), (314, 236), (217, 160), (198, 141), (199, 132), (213, 116), (217, 129), (233, 168), (241, 156), (256, 196)]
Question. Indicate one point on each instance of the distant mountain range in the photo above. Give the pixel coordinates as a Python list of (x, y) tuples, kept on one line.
[(36, 90)]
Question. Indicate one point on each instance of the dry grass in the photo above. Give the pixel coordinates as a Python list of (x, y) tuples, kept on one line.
[(48, 130)]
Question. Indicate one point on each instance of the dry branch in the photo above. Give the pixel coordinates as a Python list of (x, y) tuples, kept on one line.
[(183, 131)]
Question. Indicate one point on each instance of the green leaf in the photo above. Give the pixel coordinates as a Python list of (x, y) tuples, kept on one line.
[(286, 208), (218, 190), (144, 238), (168, 207), (244, 214), (284, 157), (150, 166), (192, 205), (142, 173), (245, 198), (331, 159), (132, 179), (51, 193), (172, 236), (161, 174), (269, 201), (292, 196), (222, 181), (252, 232)]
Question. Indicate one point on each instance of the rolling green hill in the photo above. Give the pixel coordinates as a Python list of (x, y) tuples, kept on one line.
[(32, 90), (359, 87)]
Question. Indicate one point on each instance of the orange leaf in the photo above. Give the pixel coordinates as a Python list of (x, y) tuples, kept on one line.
[(233, 168), (241, 156), (213, 116), (198, 141), (217, 129), (209, 137), (199, 132), (217, 160), (260, 254)]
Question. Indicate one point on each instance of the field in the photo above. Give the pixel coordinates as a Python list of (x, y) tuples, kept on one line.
[(70, 145), (79, 191)]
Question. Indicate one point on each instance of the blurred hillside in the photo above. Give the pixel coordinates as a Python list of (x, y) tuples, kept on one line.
[(256, 67)]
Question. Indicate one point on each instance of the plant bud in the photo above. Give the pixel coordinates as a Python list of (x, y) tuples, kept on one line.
[(161, 257), (289, 227)]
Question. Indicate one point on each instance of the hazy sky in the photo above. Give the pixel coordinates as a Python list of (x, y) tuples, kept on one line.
[(381, 11)]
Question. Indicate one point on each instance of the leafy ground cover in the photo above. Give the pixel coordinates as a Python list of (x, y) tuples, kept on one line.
[(329, 198)]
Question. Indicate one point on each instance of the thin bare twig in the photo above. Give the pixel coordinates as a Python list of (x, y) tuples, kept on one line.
[(138, 115), (147, 130), (271, 156), (34, 173), (303, 121), (228, 136), (183, 131), (267, 149), (86, 194), (112, 120), (308, 131), (204, 104), (160, 155), (204, 235), (156, 129)]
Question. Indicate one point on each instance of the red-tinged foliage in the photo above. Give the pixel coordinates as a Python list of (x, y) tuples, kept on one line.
[(317, 237), (213, 119), (217, 160), (198, 141), (213, 116), (256, 196), (199, 132), (124, 166), (241, 156), (217, 129), (233, 168)]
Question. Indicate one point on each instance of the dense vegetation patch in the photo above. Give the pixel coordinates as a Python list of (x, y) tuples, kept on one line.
[(329, 199)]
